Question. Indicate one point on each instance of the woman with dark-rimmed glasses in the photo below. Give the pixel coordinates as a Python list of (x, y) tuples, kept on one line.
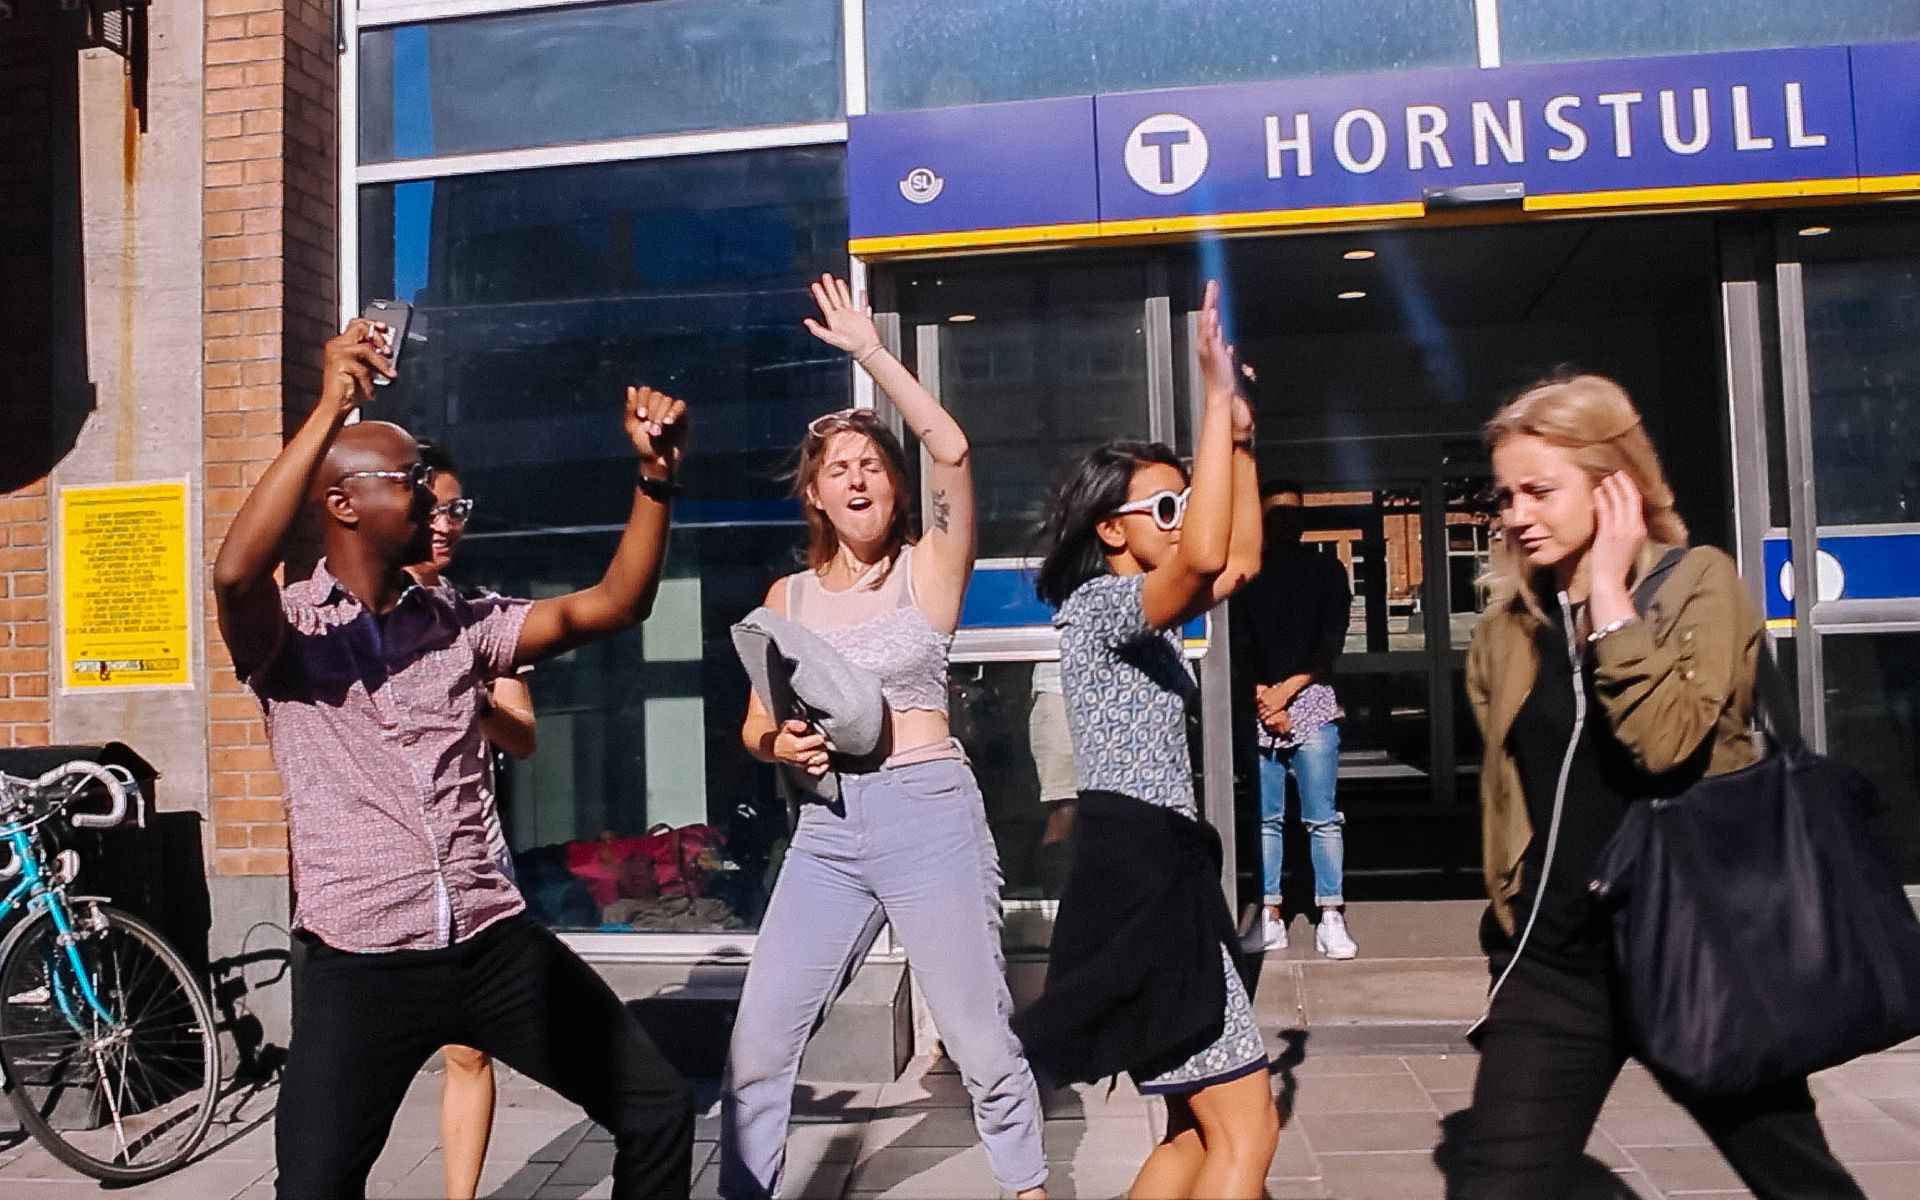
[(907, 844)]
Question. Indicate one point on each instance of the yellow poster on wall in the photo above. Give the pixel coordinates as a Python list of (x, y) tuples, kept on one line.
[(124, 607)]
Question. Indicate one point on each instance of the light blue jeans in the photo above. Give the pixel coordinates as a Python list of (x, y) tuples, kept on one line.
[(1315, 769), (907, 845)]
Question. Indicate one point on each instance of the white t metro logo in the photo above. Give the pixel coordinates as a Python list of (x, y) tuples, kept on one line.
[(1166, 154)]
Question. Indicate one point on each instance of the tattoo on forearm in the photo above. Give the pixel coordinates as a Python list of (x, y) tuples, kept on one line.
[(942, 510)]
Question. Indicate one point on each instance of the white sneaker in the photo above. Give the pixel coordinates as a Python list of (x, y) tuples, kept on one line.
[(1332, 937), (1266, 934)]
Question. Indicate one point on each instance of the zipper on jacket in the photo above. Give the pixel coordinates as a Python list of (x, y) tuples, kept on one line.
[(1559, 804)]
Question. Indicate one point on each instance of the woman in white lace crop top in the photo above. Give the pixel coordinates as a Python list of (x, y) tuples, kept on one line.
[(906, 843)]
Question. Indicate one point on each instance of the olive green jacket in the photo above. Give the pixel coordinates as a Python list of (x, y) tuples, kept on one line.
[(1666, 684)]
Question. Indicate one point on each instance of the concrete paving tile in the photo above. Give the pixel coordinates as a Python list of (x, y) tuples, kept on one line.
[(1449, 1102), (934, 1128), (928, 1173), (1873, 1141), (1907, 1112), (520, 1183), (1445, 1072), (1399, 1092), (1387, 1176), (210, 1177), (1604, 1149), (1685, 1168), (1348, 1133), (1297, 1189), (1293, 1157), (1885, 1181), (1838, 1102), (399, 1159), (1882, 1077), (815, 1103), (589, 1163), (933, 1091), (1126, 1142), (1349, 1064), (1638, 1185), (1668, 1125), (817, 1181), (1384, 991), (808, 1145)]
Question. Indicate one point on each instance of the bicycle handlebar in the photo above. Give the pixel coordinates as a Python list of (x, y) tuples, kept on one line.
[(107, 777)]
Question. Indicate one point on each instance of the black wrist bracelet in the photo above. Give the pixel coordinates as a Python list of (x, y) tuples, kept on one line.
[(656, 489)]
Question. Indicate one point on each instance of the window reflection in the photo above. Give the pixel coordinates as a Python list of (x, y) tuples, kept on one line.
[(1873, 724), (1532, 30), (973, 51), (540, 295), (596, 72)]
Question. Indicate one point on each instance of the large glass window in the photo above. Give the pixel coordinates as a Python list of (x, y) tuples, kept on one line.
[(922, 55), (1039, 364), (1862, 294), (1873, 724), (1534, 30), (581, 74), (540, 295)]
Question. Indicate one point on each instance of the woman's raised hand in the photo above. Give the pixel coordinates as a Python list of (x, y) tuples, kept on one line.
[(843, 324), (1620, 529), (1216, 357)]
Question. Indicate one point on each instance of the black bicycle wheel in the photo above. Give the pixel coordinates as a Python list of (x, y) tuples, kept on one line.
[(123, 1099)]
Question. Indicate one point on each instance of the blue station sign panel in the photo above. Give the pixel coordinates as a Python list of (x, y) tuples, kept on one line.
[(986, 166), (1829, 120), (1554, 129), (1886, 108)]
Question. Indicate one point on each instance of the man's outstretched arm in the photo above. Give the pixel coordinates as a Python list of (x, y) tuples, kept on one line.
[(657, 424)]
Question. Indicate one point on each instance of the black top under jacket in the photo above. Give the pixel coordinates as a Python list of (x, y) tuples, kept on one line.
[(1133, 975)]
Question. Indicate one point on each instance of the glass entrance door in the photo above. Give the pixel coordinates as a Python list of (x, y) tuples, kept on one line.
[(1849, 310)]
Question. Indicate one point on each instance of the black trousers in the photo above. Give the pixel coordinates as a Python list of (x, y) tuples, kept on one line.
[(364, 1025), (1549, 1053)]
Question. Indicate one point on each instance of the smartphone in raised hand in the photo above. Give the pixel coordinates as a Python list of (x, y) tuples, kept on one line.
[(393, 317)]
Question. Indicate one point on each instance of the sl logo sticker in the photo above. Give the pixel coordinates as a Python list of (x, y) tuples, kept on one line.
[(1166, 154), (922, 186)]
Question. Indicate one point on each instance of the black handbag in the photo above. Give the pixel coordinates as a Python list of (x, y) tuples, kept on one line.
[(1760, 931)]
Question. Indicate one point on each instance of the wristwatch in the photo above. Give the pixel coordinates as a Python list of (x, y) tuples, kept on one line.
[(654, 488)]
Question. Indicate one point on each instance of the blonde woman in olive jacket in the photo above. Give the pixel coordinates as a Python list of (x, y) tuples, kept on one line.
[(1586, 707)]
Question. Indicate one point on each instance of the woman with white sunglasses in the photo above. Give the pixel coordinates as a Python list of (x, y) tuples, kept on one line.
[(1135, 550), (907, 842)]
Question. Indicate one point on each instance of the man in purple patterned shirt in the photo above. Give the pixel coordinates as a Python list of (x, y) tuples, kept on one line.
[(413, 937)]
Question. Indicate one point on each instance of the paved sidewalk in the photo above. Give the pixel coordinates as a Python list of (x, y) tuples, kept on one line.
[(1362, 1126)]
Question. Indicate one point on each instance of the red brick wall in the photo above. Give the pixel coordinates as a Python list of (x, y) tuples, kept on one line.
[(270, 303), (33, 64)]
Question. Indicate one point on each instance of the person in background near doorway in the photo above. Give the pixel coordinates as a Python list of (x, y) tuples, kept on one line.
[(1052, 747), (412, 935), (907, 843), (1295, 614), (1586, 709), (1141, 976), (467, 1089)]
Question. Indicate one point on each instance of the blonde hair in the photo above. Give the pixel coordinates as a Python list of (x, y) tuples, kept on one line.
[(1594, 419)]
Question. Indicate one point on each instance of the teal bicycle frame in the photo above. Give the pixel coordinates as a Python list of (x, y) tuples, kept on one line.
[(37, 896)]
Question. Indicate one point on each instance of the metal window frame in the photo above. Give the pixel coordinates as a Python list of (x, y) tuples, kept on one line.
[(1797, 392)]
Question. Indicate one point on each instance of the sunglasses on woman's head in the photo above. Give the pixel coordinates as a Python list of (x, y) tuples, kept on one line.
[(847, 418), (1167, 508)]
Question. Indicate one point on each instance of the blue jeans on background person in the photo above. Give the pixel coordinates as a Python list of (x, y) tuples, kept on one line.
[(1315, 768)]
